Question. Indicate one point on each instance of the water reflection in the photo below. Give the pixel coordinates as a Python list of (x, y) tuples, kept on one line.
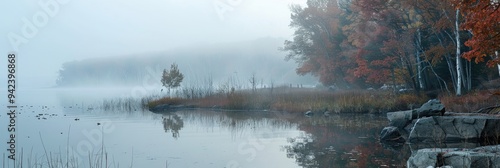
[(173, 123), (325, 141), (343, 141), (212, 138)]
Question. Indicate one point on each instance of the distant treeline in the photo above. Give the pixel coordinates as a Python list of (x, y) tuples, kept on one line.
[(218, 62)]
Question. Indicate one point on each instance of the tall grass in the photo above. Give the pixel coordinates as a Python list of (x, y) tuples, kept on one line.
[(472, 101), (290, 99), (63, 159), (127, 103)]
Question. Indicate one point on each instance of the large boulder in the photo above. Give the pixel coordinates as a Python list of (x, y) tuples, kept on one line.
[(428, 125), (404, 120), (401, 119), (433, 107), (453, 129), (426, 130), (486, 156)]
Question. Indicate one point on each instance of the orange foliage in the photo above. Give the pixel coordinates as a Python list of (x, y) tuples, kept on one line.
[(482, 19)]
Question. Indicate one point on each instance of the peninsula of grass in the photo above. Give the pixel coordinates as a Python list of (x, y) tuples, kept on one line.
[(301, 100)]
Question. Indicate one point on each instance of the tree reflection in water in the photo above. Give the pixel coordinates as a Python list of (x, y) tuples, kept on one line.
[(173, 123), (333, 141), (342, 141)]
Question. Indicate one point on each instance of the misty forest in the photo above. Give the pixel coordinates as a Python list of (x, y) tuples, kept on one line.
[(359, 83), (409, 50)]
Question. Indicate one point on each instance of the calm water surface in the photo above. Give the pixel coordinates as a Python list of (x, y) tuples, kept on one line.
[(64, 127)]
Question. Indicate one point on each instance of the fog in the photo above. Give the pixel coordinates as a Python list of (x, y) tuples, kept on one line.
[(47, 33), (231, 63)]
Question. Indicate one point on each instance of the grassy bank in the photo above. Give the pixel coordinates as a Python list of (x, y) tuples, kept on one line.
[(303, 99), (472, 101)]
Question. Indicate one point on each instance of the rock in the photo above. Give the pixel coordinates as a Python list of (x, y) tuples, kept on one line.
[(423, 158), (433, 107), (400, 119), (428, 125), (426, 130), (442, 129), (309, 113), (453, 129), (486, 156), (392, 134)]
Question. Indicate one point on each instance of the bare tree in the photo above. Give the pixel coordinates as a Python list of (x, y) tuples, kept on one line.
[(253, 82)]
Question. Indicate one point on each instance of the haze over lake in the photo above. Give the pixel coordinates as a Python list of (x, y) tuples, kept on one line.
[(244, 83)]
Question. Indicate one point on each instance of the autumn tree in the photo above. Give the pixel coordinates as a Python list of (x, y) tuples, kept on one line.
[(172, 78), (421, 34), (443, 41), (377, 30), (317, 41), (412, 42), (482, 20)]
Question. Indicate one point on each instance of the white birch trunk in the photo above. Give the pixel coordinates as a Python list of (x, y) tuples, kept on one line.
[(419, 65), (459, 59), (498, 65)]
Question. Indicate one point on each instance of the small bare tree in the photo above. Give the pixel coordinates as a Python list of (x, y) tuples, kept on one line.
[(253, 82), (173, 78)]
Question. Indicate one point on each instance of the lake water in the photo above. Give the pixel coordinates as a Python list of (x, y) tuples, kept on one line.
[(67, 128)]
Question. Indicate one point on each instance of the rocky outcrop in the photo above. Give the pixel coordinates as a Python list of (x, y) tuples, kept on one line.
[(428, 124), (401, 119), (399, 129), (453, 129), (486, 156)]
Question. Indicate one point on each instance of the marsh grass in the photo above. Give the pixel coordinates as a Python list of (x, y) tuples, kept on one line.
[(472, 101), (301, 100), (127, 103), (64, 159)]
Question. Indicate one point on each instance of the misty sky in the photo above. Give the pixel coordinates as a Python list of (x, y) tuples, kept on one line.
[(80, 29)]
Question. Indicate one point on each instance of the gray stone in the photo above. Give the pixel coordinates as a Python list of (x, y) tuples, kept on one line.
[(453, 129), (428, 125), (468, 120), (447, 129), (479, 161), (423, 158), (433, 107), (400, 119), (448, 126), (391, 133), (426, 130), (471, 132), (456, 157)]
